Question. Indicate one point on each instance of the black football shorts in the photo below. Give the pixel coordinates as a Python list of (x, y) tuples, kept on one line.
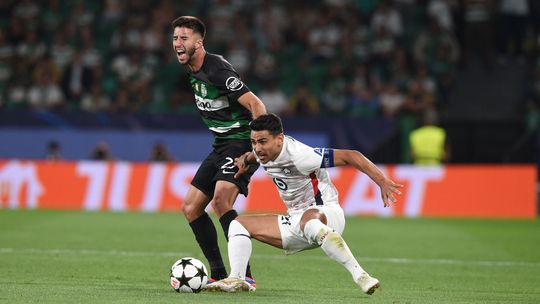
[(219, 165)]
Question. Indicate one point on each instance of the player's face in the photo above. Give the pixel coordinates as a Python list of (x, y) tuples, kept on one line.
[(266, 146), (185, 43)]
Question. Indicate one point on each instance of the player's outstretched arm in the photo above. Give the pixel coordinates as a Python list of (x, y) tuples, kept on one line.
[(251, 102), (360, 162)]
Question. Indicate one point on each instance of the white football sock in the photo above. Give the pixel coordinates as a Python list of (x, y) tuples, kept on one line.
[(333, 245), (239, 249)]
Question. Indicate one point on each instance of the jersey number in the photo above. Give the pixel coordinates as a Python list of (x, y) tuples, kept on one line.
[(280, 183), (228, 166)]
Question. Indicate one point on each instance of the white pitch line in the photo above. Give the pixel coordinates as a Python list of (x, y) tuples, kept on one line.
[(91, 252), (389, 260)]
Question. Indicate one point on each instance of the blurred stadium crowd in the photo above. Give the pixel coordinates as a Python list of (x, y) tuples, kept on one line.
[(335, 57)]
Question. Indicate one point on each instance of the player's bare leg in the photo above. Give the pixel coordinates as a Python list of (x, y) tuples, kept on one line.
[(194, 204), (225, 195), (313, 224), (204, 230), (261, 227)]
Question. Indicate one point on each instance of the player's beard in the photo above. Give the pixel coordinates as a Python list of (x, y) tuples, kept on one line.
[(189, 55)]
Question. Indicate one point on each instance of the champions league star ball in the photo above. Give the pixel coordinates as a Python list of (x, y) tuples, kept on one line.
[(188, 275)]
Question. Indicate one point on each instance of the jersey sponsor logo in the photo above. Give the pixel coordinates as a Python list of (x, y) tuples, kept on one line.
[(234, 84), (204, 105), (210, 105)]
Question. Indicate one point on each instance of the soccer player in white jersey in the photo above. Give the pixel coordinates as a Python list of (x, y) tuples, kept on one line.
[(315, 218)]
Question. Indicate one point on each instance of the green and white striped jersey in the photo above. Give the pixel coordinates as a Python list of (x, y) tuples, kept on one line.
[(217, 88)]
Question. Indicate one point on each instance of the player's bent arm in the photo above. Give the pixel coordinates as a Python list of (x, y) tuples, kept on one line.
[(360, 162), (251, 102)]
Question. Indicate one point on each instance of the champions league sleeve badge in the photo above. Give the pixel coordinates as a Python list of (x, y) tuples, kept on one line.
[(234, 84)]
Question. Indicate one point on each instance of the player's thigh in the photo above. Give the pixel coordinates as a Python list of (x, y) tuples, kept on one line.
[(293, 238), (263, 227), (194, 203)]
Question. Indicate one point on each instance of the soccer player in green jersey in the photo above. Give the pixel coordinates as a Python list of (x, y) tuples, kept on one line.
[(226, 106)]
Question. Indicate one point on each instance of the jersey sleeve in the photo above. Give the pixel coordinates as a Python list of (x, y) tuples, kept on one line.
[(306, 158), (312, 159), (229, 83)]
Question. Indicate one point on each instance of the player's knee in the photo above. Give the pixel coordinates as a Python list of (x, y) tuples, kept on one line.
[(236, 228), (186, 208), (316, 231), (220, 203), (311, 214), (191, 211)]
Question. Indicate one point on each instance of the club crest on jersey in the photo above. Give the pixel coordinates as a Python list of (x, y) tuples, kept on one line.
[(234, 84)]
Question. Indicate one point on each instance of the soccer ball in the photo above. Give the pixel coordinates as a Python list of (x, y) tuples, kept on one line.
[(188, 275)]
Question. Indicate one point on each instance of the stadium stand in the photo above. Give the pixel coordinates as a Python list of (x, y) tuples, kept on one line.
[(381, 61)]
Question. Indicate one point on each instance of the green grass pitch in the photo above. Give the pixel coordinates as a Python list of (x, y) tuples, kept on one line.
[(82, 257)]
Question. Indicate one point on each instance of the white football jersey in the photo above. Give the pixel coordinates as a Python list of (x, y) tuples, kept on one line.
[(300, 176)]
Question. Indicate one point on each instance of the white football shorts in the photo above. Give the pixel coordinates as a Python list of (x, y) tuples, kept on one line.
[(293, 238)]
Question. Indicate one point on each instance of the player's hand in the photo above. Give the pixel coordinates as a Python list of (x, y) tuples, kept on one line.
[(242, 165), (388, 190)]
